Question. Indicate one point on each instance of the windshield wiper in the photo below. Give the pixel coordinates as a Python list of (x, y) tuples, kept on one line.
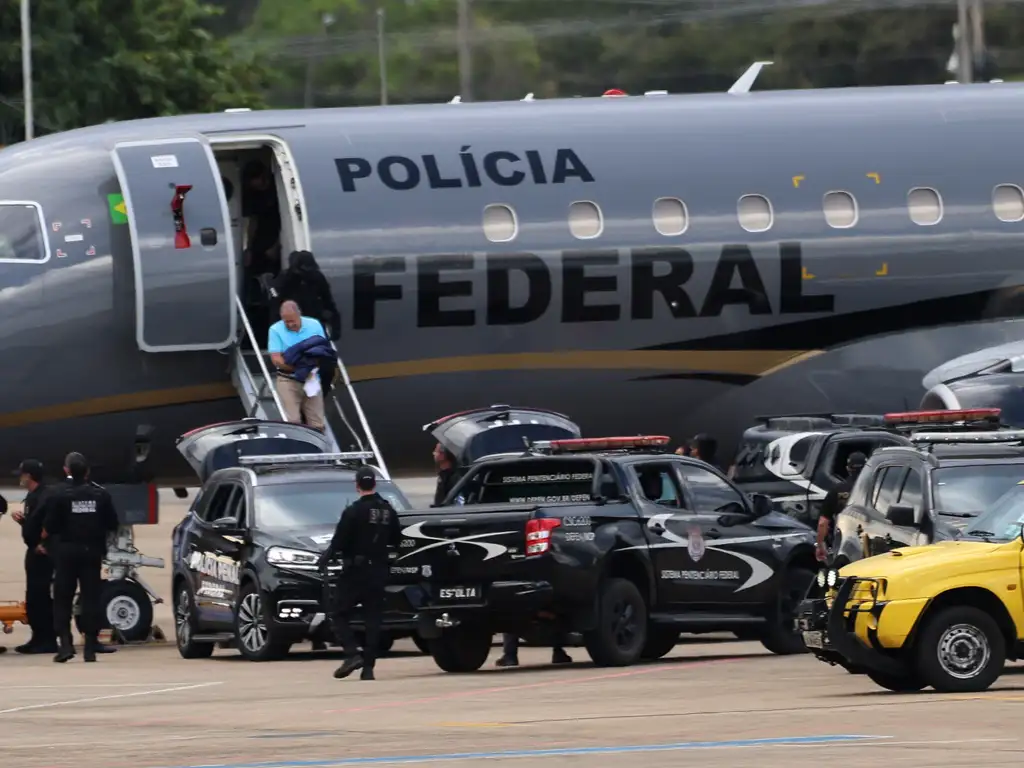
[(979, 534), (959, 514)]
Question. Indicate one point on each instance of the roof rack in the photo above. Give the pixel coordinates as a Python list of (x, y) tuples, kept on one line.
[(644, 443), (349, 459)]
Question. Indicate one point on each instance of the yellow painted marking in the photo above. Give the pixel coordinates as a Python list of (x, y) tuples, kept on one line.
[(476, 725), (883, 271), (806, 275), (988, 697), (797, 180), (877, 177)]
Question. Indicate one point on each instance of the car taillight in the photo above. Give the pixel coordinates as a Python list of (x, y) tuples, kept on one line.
[(538, 535)]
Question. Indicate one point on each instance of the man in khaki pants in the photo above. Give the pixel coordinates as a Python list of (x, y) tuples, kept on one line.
[(302, 397)]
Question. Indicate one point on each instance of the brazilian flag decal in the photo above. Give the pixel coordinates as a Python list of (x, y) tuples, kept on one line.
[(118, 210)]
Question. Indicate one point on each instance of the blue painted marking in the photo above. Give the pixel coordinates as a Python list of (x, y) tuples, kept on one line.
[(796, 740)]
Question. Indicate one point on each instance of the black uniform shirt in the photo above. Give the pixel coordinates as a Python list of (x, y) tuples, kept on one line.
[(35, 516), (367, 529), (835, 500), (81, 513), (445, 482)]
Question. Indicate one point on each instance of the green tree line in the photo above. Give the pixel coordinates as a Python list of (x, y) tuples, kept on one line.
[(99, 60)]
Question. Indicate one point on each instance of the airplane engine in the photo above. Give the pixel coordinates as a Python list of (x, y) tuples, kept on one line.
[(988, 378)]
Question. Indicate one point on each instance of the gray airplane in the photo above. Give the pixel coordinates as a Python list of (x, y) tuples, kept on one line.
[(665, 264)]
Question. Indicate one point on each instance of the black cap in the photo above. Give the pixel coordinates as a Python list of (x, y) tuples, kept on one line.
[(857, 459), (366, 478), (33, 468)]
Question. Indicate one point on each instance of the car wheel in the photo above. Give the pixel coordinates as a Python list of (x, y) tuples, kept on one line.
[(422, 644), (660, 641), (621, 632), (960, 650), (185, 626), (780, 636), (461, 649), (908, 683), (254, 631)]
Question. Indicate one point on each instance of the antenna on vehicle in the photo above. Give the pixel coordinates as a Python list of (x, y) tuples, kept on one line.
[(746, 80)]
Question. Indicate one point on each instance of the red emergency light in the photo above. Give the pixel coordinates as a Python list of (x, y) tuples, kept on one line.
[(614, 92), (608, 443), (943, 417)]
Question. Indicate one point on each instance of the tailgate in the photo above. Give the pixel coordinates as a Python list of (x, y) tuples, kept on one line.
[(478, 544)]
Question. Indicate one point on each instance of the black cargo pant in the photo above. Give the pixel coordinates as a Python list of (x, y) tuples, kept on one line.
[(360, 584), (76, 565), (38, 602)]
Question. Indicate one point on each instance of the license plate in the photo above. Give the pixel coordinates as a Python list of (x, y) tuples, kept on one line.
[(814, 639), (458, 594)]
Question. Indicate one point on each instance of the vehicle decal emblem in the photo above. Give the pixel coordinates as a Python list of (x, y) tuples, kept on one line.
[(427, 571), (453, 550), (492, 550), (695, 544)]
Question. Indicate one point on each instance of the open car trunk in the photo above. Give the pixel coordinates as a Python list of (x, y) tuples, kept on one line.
[(472, 435), (217, 446)]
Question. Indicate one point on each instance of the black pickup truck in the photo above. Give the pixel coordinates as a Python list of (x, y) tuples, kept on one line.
[(612, 538)]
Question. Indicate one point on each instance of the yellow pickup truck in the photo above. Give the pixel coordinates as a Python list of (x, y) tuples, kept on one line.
[(946, 615)]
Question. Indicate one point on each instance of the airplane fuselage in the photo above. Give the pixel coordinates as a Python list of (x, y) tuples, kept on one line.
[(597, 294)]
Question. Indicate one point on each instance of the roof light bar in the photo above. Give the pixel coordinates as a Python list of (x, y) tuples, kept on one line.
[(1000, 436), (306, 458), (944, 417), (602, 443)]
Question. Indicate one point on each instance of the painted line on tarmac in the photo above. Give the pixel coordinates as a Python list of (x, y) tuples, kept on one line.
[(561, 752), (526, 686), (106, 698)]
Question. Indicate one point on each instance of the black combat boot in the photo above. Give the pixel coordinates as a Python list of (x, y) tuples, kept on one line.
[(352, 663), (367, 674), (89, 653), (65, 651)]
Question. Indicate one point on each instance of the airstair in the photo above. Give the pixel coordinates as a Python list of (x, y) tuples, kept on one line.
[(251, 373)]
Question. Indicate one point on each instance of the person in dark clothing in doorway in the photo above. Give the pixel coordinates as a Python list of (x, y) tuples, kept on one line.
[(260, 207), (38, 567), (367, 533), (304, 283), (445, 463), (834, 502), (78, 519)]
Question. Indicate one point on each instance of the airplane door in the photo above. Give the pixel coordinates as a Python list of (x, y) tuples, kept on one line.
[(182, 246)]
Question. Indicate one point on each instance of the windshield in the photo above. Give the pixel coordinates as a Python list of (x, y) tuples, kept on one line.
[(1003, 520), (310, 505), (969, 491)]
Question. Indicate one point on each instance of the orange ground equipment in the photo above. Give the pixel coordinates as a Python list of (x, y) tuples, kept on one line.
[(11, 612)]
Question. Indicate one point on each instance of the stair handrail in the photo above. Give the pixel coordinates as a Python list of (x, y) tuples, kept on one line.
[(361, 415), (251, 336)]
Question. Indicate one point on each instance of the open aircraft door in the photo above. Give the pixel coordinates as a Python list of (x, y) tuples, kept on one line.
[(183, 250)]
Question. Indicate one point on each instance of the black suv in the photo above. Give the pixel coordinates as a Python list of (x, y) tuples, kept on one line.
[(795, 460), (914, 495), (245, 557)]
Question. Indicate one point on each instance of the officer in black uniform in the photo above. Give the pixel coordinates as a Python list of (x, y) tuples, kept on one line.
[(38, 566), (3, 511), (444, 460), (367, 531), (834, 502), (78, 518)]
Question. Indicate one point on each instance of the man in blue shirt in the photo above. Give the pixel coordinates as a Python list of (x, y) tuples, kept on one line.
[(295, 395)]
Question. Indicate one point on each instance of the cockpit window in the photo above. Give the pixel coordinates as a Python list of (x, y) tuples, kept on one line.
[(21, 232)]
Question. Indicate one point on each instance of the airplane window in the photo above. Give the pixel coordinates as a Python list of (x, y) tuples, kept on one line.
[(585, 220), (500, 224), (925, 206), (755, 213), (670, 216), (840, 210), (1008, 202), (21, 232)]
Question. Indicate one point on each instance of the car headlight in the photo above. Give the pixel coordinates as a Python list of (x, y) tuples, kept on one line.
[(296, 559), (821, 578), (833, 577)]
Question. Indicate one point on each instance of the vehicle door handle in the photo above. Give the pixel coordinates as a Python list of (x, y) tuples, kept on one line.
[(657, 528), (713, 533)]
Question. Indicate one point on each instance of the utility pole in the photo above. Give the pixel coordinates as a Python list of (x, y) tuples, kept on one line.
[(465, 51), (965, 60), (26, 69), (382, 58)]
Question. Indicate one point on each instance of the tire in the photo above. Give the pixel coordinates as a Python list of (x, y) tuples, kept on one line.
[(126, 607), (461, 649), (254, 631), (185, 627), (909, 683), (960, 650), (621, 632), (660, 641), (780, 637), (422, 644)]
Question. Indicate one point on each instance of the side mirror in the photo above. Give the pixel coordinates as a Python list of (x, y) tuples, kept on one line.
[(762, 504), (226, 524), (901, 515)]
